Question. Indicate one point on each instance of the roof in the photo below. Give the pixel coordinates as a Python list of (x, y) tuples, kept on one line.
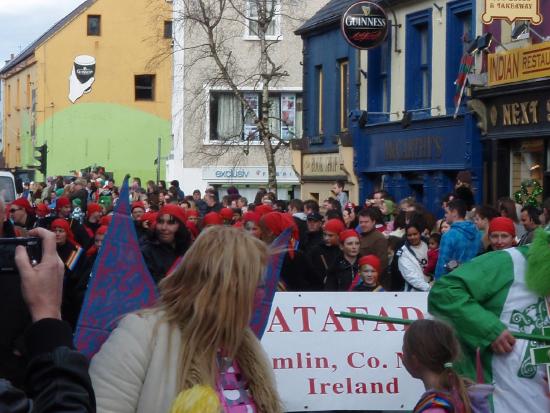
[(328, 15), (332, 12), (29, 50)]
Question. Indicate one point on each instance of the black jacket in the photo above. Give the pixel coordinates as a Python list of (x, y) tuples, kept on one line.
[(159, 258), (341, 275), (320, 259), (57, 377), (74, 284)]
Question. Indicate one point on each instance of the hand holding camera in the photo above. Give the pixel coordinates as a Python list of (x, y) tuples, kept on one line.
[(41, 283)]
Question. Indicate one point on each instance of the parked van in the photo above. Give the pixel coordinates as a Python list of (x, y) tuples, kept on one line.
[(7, 186)]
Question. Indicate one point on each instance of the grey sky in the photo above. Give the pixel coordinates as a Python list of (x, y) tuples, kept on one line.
[(23, 21)]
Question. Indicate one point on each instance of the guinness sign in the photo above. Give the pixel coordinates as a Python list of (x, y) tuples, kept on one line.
[(365, 25)]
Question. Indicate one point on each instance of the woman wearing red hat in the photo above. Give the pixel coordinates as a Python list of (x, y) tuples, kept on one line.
[(502, 233), (251, 224), (340, 276), (72, 255), (94, 212), (169, 241)]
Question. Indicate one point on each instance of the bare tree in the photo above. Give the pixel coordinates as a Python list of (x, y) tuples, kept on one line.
[(213, 29)]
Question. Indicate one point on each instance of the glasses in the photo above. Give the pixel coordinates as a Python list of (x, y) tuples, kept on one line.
[(13, 210)]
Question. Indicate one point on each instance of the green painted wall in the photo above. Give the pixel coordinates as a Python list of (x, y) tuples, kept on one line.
[(122, 139)]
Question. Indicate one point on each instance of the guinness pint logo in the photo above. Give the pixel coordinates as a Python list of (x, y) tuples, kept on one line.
[(365, 25)]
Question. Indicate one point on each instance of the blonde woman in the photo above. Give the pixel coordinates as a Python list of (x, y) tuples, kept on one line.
[(195, 351)]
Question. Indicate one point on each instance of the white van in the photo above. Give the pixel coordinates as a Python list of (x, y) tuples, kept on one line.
[(7, 187)]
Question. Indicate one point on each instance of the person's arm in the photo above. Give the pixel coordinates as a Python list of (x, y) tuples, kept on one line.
[(57, 376), (445, 251), (472, 295), (119, 368), (411, 272)]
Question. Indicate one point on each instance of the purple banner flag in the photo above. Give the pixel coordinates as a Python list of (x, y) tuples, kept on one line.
[(120, 282), (266, 292)]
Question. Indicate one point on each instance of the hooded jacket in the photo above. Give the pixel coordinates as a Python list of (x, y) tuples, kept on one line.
[(461, 243)]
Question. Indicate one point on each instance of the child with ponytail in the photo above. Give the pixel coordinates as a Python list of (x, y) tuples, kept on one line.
[(430, 348)]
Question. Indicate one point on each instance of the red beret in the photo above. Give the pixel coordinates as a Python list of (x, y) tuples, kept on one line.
[(348, 233), (226, 213), (175, 211), (137, 204), (277, 222), (64, 225), (92, 208), (263, 209), (102, 230), (149, 217), (105, 220), (61, 202), (192, 228), (251, 216), (212, 218), (371, 260), (502, 224), (42, 210), (25, 204), (334, 226), (192, 213)]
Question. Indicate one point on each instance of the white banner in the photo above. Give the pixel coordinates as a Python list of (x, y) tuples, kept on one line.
[(322, 362)]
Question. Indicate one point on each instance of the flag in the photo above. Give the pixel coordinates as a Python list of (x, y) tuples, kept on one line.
[(266, 292), (120, 282), (466, 64)]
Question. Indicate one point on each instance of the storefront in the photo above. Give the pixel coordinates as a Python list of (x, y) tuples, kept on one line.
[(248, 179), (516, 144), (421, 160)]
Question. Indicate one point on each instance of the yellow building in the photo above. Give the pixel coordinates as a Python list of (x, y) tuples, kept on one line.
[(96, 88)]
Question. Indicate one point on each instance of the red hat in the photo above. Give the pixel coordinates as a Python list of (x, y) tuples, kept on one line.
[(149, 217), (251, 216), (226, 214), (349, 205), (25, 204), (263, 209), (137, 204), (371, 260), (61, 202), (277, 222), (212, 218), (92, 208), (42, 210), (348, 233), (192, 213), (105, 220), (502, 224), (335, 226), (102, 230), (175, 211), (64, 225)]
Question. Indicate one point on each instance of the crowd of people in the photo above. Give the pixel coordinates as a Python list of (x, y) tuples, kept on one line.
[(382, 245)]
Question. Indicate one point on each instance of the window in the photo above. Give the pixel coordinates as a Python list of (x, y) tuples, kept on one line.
[(254, 13), (8, 100), (379, 80), (145, 87), (523, 34), (319, 99), (527, 162), (459, 34), (28, 92), (94, 25), (230, 120), (18, 95), (168, 29), (419, 62), (344, 94)]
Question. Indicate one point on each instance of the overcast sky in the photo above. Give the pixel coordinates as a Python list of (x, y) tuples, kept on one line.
[(23, 21)]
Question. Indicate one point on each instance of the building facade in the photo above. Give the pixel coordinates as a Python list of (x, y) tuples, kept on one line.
[(95, 89), (403, 135), (211, 131), (514, 112)]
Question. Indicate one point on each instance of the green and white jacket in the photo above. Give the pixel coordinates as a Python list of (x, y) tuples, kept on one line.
[(481, 299)]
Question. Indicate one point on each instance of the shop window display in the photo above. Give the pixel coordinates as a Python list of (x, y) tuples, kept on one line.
[(527, 172)]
